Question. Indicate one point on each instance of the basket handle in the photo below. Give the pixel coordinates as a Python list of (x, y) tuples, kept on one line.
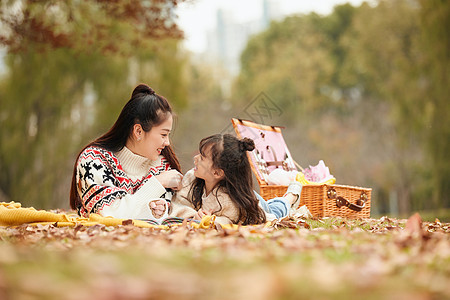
[(276, 162), (341, 201)]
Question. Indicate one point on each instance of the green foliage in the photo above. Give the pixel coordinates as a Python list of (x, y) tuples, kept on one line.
[(410, 70), (383, 46), (285, 61), (297, 60), (435, 21), (87, 26)]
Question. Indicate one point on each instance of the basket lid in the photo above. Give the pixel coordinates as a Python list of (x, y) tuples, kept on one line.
[(270, 151)]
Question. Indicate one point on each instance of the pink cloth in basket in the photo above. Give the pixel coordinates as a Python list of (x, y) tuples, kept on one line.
[(318, 173)]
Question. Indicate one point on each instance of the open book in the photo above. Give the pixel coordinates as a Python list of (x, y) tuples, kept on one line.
[(164, 221)]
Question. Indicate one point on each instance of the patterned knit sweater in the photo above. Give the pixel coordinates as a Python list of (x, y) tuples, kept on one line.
[(118, 184)]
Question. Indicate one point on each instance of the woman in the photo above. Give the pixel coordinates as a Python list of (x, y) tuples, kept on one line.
[(125, 172)]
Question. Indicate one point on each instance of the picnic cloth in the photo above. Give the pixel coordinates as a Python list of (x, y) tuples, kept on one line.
[(13, 214)]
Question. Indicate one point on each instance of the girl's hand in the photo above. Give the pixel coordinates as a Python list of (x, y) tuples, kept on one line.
[(201, 213), (158, 207), (170, 179)]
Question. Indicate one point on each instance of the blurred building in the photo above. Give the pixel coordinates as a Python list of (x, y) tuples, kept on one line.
[(226, 42)]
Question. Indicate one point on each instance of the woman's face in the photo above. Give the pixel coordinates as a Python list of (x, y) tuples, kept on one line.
[(155, 140)]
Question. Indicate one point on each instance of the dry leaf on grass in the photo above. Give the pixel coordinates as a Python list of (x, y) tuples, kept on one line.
[(414, 224)]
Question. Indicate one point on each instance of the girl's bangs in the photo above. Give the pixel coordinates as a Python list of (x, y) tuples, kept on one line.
[(205, 143), (213, 143)]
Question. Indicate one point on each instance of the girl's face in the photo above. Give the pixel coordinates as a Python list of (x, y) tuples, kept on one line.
[(204, 166), (155, 140)]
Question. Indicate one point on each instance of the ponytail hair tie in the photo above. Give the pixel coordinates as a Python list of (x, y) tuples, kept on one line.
[(246, 144), (143, 88)]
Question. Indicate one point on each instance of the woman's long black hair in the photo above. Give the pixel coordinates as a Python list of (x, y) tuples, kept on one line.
[(230, 154), (145, 108)]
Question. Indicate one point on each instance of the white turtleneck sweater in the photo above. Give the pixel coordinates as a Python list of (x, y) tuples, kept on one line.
[(120, 184)]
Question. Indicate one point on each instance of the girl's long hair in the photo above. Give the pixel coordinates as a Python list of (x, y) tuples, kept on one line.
[(230, 154), (145, 108)]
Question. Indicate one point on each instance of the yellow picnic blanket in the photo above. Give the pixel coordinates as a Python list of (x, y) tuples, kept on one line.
[(13, 214)]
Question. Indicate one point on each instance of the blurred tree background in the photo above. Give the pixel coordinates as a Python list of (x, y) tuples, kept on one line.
[(365, 89), (70, 68)]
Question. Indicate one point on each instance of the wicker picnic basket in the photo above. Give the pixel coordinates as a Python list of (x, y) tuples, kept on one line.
[(322, 200)]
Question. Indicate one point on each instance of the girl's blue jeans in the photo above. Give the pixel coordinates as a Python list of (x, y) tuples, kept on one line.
[(278, 206)]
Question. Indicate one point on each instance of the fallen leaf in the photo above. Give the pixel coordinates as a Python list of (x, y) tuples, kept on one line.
[(127, 222), (414, 224)]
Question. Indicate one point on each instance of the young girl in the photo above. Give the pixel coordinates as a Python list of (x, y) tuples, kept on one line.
[(125, 172), (221, 184)]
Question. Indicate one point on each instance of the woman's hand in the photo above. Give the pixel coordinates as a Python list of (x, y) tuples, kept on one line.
[(158, 207), (170, 179)]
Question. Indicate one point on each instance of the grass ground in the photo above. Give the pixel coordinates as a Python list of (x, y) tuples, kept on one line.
[(442, 214), (294, 259)]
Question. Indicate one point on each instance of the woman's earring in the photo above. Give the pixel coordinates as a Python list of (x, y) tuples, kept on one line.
[(138, 139)]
